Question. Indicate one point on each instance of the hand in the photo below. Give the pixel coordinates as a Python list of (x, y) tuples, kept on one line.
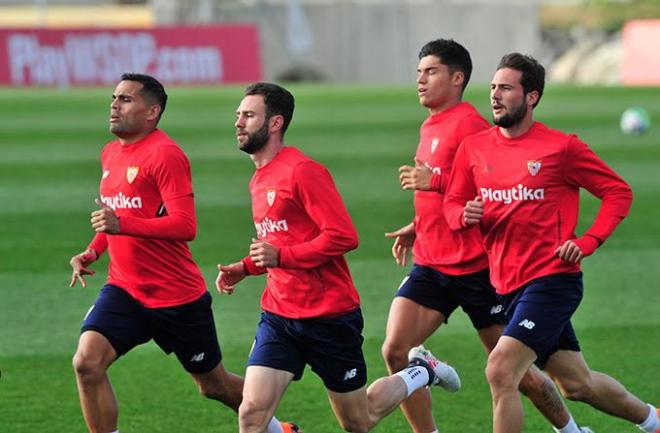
[(570, 252), (79, 264), (104, 220), (473, 211), (264, 254), (403, 243), (417, 177), (229, 276)]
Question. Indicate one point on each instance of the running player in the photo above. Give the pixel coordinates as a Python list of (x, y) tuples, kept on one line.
[(520, 182), (311, 311)]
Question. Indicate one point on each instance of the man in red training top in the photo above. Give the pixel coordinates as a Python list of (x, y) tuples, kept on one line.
[(450, 268), (311, 309), (520, 182), (154, 288)]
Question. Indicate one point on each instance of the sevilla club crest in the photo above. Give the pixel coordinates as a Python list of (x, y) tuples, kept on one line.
[(270, 196), (131, 173), (534, 167)]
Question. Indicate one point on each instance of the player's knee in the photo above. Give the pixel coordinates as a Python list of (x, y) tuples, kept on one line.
[(499, 377), (87, 367), (395, 356)]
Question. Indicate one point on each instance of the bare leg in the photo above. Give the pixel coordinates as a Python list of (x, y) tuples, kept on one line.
[(352, 410), (507, 364), (541, 391), (577, 382), (409, 324), (359, 411), (219, 384), (385, 395), (97, 400), (535, 385), (262, 392)]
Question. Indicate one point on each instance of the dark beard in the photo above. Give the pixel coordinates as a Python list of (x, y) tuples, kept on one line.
[(256, 141), (513, 118)]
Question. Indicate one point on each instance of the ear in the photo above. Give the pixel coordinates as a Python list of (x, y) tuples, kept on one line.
[(532, 97), (153, 112), (458, 78), (276, 123)]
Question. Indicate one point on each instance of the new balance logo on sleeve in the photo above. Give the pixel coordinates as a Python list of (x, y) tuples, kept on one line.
[(527, 324)]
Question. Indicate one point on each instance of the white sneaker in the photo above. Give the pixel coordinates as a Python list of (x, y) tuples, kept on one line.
[(443, 374), (586, 430)]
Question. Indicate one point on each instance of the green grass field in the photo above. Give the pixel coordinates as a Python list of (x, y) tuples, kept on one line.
[(49, 172)]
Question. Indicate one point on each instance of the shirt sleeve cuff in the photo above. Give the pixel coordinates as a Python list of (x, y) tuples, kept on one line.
[(250, 267), (587, 244), (286, 257), (98, 245)]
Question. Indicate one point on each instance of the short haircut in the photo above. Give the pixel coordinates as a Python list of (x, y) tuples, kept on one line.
[(452, 54), (278, 101), (152, 90), (533, 73)]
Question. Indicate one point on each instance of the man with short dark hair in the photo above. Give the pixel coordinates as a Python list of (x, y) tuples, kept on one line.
[(311, 309), (154, 289), (520, 182)]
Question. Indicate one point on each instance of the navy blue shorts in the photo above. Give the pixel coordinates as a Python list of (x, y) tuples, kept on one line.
[(539, 314), (444, 293), (332, 346), (188, 330)]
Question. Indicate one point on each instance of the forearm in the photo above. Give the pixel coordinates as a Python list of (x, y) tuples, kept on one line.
[(99, 244), (177, 227), (178, 223), (614, 208), (454, 214), (251, 268), (585, 169), (318, 251)]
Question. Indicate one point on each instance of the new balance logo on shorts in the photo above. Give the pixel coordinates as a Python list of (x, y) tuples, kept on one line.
[(350, 374), (197, 358), (527, 324), (496, 309)]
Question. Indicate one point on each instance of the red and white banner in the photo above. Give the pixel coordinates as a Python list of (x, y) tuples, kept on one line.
[(174, 55)]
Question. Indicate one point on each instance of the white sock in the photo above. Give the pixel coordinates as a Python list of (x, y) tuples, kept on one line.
[(274, 426), (435, 431), (415, 378), (571, 427), (116, 431), (651, 424)]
